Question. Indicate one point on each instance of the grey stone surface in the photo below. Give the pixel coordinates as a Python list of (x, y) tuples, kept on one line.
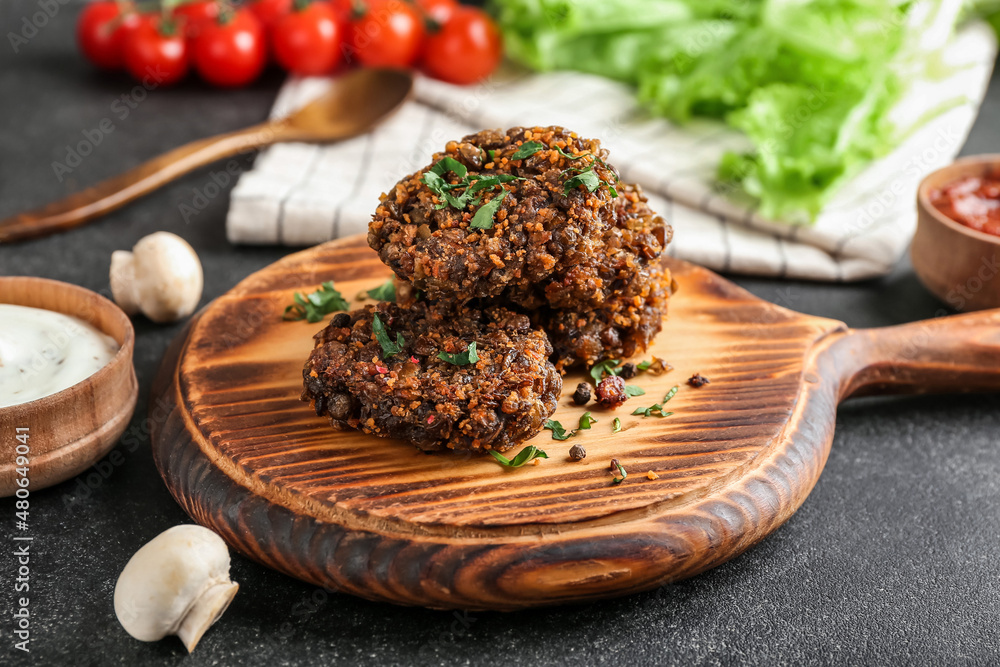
[(893, 558)]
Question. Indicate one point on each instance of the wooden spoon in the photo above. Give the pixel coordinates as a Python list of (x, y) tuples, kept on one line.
[(355, 103)]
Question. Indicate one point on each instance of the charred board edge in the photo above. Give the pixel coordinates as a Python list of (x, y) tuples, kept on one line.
[(503, 571)]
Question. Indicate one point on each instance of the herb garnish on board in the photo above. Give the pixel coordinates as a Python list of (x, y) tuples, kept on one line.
[(527, 454), (656, 410), (384, 292), (559, 432), (315, 305)]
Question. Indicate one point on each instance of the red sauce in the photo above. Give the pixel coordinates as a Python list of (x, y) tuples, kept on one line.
[(973, 201)]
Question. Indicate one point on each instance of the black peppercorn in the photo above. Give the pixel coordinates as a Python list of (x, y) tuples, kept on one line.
[(341, 320), (698, 380), (628, 371), (577, 453), (582, 394)]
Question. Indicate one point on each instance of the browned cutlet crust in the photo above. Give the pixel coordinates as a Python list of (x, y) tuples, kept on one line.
[(548, 247), (624, 326), (496, 403)]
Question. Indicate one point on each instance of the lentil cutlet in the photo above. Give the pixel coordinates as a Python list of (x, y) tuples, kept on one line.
[(533, 216), (494, 397)]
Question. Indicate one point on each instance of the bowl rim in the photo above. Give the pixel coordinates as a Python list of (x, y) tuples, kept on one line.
[(102, 375), (924, 203)]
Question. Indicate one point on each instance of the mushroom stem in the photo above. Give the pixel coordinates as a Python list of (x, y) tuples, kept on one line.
[(204, 611)]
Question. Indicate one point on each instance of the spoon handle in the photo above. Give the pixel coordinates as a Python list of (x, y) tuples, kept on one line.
[(117, 191)]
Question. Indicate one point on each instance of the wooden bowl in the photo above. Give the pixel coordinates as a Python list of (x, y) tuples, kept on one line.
[(958, 264), (72, 429)]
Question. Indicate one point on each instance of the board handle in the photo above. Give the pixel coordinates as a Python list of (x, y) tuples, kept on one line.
[(959, 353)]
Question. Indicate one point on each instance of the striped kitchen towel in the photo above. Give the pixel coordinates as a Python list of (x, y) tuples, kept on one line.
[(302, 194)]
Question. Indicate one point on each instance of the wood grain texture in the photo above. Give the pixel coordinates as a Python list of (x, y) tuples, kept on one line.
[(74, 428), (244, 456)]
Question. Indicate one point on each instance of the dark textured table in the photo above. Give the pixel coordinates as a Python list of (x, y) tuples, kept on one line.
[(894, 557)]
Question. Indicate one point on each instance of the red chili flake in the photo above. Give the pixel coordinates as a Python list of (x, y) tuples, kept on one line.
[(414, 360), (382, 369), (698, 380), (430, 420)]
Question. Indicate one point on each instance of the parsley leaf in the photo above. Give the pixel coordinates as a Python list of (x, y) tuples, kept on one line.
[(587, 178), (621, 471), (643, 365), (461, 358), (616, 425), (527, 149), (606, 367), (657, 407), (315, 305), (632, 390), (527, 454), (389, 348), (483, 219), (558, 432), (446, 164), (384, 292)]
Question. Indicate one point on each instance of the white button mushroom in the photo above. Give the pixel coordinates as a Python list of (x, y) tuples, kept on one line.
[(177, 584), (161, 277)]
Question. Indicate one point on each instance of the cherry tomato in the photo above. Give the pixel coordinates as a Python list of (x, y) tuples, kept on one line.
[(466, 49), (101, 31), (307, 41), (390, 33), (230, 51), (439, 11), (196, 15), (347, 11), (268, 12), (155, 52)]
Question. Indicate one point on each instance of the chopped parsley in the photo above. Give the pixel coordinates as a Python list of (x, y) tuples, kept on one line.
[(483, 219), (606, 367), (656, 366), (469, 356), (587, 178), (470, 185), (313, 307), (632, 390), (559, 432), (656, 410), (527, 454), (389, 348), (616, 425), (384, 292), (527, 149), (619, 471)]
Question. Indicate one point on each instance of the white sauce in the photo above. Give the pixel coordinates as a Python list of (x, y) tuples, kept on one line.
[(43, 352)]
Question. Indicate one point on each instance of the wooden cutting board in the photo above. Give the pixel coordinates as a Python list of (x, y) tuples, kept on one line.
[(375, 518)]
